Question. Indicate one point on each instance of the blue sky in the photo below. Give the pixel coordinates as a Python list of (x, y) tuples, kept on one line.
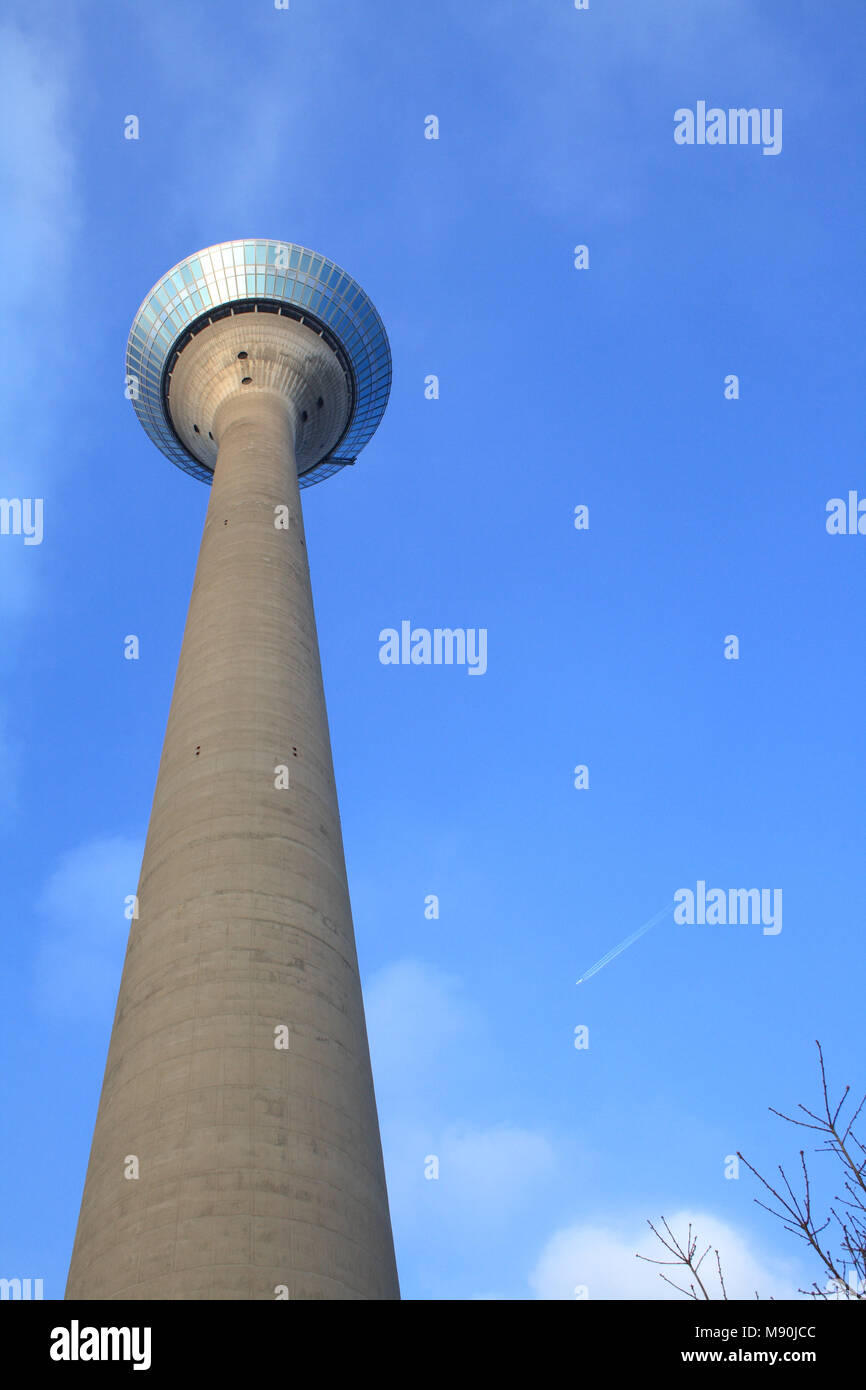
[(558, 387)]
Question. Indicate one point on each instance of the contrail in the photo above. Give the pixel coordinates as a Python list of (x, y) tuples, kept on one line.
[(605, 960)]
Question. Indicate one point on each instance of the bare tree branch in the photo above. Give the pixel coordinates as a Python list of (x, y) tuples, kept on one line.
[(846, 1266)]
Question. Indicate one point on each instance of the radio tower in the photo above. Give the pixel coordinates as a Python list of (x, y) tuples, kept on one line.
[(236, 1152)]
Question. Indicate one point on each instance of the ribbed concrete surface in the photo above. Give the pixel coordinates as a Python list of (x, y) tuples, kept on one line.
[(258, 1167)]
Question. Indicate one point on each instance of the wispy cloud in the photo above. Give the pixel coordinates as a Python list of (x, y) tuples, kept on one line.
[(420, 1023), (85, 930), (41, 216), (601, 1258), (585, 142), (455, 1187), (37, 164), (270, 128), (487, 1173)]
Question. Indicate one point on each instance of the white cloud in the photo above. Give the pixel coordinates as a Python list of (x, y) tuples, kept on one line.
[(424, 1034), (493, 1179), (485, 1173), (266, 131), (41, 217), (591, 135), (602, 1258), (417, 1018), (84, 938), (459, 1228), (40, 200)]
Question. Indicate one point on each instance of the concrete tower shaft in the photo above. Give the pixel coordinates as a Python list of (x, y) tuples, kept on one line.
[(259, 1167)]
